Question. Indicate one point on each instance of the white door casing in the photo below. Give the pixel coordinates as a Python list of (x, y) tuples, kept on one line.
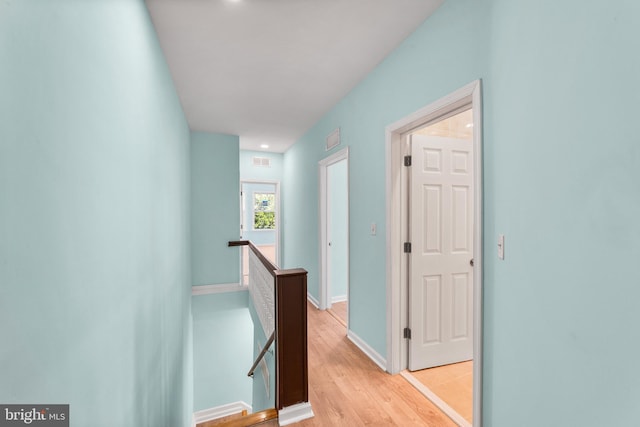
[(396, 359), (324, 298), (441, 274), (337, 232)]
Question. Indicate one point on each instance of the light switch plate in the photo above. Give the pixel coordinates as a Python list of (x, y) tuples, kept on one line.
[(374, 228), (500, 246)]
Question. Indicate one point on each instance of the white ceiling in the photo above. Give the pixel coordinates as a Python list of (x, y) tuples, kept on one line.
[(267, 70)]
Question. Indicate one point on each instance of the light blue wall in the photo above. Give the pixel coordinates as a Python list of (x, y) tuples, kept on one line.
[(94, 216), (561, 156), (440, 57), (215, 208), (338, 225), (562, 183), (223, 349)]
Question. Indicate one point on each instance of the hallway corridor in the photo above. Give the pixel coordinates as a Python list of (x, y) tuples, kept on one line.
[(348, 389)]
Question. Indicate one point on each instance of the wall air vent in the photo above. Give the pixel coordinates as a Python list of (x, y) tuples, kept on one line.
[(263, 162), (333, 139)]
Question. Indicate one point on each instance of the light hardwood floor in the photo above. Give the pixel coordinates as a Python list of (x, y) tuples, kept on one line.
[(339, 310), (453, 384), (347, 389)]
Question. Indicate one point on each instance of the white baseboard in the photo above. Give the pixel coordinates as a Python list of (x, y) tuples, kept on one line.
[(314, 302), (340, 298), (368, 350), (294, 413), (217, 289), (444, 407), (219, 412)]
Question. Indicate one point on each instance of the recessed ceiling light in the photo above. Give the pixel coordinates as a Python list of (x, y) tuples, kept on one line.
[(264, 146)]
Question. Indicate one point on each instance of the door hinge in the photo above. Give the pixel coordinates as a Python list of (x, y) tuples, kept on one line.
[(407, 333), (407, 160), (407, 247)]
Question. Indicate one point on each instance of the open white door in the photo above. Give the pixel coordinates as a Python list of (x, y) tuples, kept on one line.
[(441, 266), (337, 233), (334, 229)]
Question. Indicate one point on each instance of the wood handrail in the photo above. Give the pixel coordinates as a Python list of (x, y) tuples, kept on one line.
[(262, 353), (290, 334), (271, 267), (238, 243)]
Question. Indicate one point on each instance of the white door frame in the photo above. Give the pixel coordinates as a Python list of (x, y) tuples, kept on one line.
[(277, 208), (325, 298), (397, 229)]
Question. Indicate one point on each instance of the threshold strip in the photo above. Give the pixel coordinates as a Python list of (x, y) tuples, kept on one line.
[(441, 404), (335, 316)]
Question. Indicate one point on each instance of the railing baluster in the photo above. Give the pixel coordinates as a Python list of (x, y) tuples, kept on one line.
[(262, 353)]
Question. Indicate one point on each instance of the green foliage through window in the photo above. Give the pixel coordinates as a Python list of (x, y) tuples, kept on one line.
[(264, 216), (264, 220)]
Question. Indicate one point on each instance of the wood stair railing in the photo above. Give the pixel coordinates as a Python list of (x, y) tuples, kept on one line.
[(242, 419), (289, 288)]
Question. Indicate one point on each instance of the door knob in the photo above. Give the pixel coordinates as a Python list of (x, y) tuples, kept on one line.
[(471, 262)]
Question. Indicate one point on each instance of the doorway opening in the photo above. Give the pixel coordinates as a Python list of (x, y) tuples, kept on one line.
[(434, 274), (260, 220), (334, 235)]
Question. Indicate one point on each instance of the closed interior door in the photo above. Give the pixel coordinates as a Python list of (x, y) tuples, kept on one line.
[(441, 271)]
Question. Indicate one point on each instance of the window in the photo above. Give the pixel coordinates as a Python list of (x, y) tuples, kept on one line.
[(264, 215)]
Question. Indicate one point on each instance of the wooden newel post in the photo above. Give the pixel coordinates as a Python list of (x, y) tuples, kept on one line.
[(291, 337)]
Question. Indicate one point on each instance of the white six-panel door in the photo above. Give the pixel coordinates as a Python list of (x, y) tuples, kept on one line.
[(441, 271)]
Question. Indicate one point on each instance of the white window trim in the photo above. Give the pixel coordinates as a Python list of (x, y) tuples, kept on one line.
[(253, 210)]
